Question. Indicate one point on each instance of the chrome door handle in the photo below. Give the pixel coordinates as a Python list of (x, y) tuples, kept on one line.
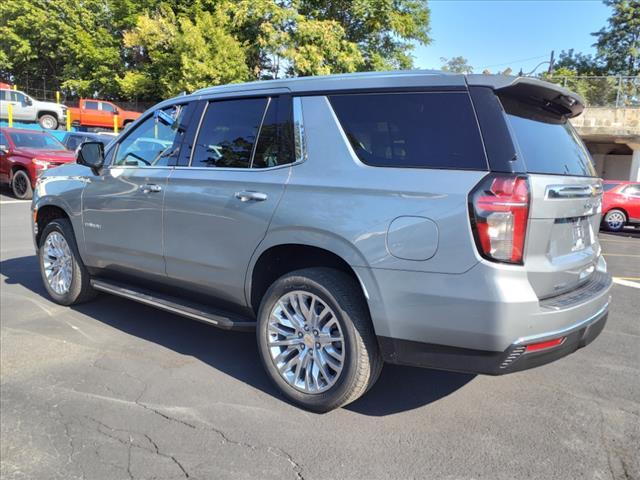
[(150, 188), (251, 196)]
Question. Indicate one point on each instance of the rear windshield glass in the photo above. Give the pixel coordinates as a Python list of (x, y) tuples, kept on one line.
[(423, 130), (551, 146), (36, 140)]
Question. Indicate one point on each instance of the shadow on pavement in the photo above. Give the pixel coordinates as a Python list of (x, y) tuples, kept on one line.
[(234, 353), (628, 232)]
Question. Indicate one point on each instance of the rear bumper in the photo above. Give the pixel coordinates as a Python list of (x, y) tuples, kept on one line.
[(515, 358)]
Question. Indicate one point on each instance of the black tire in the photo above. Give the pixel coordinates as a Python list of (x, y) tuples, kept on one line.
[(48, 121), (362, 359), (615, 220), (21, 185), (80, 289)]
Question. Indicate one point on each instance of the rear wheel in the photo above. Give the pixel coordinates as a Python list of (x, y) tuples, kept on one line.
[(63, 273), (316, 340), (48, 122), (21, 185), (615, 220)]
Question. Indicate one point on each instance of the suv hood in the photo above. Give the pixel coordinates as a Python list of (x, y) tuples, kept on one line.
[(57, 156)]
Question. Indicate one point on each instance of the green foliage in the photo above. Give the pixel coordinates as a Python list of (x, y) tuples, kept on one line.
[(456, 65), (151, 49), (619, 42)]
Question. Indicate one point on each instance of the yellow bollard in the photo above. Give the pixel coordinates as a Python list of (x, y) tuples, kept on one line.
[(68, 121), (115, 124), (15, 87), (10, 113), (57, 97)]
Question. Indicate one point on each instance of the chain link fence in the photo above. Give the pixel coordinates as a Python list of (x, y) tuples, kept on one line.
[(603, 91)]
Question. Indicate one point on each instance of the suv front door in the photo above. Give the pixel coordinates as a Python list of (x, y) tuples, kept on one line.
[(218, 209), (122, 207)]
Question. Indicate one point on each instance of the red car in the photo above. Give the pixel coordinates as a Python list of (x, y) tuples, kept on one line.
[(620, 205), (26, 153)]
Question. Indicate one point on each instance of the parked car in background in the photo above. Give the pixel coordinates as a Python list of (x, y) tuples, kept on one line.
[(620, 205), (436, 220), (26, 109), (100, 113), (25, 154), (72, 140)]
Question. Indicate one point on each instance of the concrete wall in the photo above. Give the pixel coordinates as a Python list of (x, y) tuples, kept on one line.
[(606, 121), (613, 138)]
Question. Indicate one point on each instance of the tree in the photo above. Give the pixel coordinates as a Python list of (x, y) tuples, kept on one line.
[(48, 41), (578, 63), (456, 65), (618, 43), (172, 54), (150, 49)]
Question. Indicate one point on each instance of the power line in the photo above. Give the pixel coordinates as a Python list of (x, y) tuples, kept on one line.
[(515, 61)]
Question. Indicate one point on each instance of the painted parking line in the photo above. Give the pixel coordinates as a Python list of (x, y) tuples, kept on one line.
[(620, 255), (3, 202), (630, 240), (625, 282)]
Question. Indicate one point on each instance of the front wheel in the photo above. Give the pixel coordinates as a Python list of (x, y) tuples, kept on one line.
[(48, 122), (64, 275), (316, 340), (615, 220), (21, 185)]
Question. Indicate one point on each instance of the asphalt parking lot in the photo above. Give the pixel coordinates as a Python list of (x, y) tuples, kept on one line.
[(117, 390)]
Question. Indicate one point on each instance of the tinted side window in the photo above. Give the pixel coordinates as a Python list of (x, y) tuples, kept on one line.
[(154, 142), (3, 95), (107, 107), (632, 190), (609, 186), (3, 140), (275, 143), (228, 133), (91, 105), (424, 130)]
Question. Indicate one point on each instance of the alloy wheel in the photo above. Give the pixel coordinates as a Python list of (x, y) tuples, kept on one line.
[(57, 263), (305, 342), (615, 220)]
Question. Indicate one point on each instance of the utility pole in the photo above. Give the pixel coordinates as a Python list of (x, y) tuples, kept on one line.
[(551, 62)]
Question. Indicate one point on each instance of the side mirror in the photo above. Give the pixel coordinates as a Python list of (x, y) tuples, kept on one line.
[(116, 112), (4, 149), (91, 154), (28, 102)]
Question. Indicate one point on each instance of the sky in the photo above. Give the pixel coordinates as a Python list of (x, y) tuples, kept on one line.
[(497, 34)]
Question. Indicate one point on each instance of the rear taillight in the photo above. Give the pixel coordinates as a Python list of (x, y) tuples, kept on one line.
[(499, 210)]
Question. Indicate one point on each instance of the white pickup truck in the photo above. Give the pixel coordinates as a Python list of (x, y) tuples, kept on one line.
[(26, 109)]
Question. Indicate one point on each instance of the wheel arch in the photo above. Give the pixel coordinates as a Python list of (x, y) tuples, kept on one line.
[(45, 214), (42, 113), (626, 214), (285, 251)]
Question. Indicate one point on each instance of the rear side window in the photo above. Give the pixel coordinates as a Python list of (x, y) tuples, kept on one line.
[(91, 105), (420, 130), (609, 186), (228, 133), (548, 143), (275, 143)]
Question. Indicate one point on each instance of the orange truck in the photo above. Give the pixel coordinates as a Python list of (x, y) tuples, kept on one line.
[(99, 113)]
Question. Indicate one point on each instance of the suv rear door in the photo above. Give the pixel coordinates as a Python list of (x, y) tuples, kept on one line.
[(219, 204)]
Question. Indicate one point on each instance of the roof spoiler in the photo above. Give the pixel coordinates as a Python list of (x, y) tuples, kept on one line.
[(549, 96)]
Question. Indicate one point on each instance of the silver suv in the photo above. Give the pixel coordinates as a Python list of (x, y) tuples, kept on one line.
[(417, 218)]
